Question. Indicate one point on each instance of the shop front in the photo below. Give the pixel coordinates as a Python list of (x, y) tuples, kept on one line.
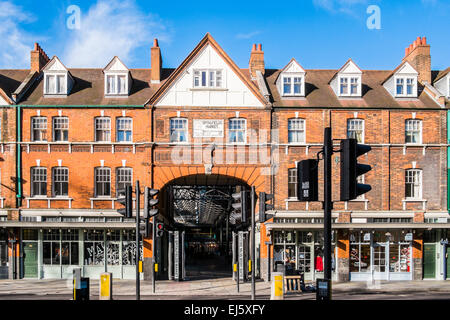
[(302, 251), (380, 255), (54, 253)]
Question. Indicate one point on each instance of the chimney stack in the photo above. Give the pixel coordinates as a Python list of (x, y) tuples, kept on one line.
[(156, 62), (256, 60), (38, 58), (418, 55)]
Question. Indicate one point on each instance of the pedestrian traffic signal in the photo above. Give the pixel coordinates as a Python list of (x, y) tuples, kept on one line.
[(263, 206), (125, 198), (307, 180), (239, 205), (351, 169), (150, 203), (159, 230)]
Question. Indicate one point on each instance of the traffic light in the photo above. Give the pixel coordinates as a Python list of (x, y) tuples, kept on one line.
[(239, 205), (125, 198), (263, 206), (159, 230), (307, 180), (144, 228), (150, 203), (351, 169)]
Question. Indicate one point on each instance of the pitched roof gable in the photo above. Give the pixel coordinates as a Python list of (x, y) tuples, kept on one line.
[(207, 39)]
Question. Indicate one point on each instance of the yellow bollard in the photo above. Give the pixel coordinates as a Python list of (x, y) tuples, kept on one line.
[(277, 292), (106, 286)]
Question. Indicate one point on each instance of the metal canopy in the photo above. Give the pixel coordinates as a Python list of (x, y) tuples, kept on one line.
[(201, 205)]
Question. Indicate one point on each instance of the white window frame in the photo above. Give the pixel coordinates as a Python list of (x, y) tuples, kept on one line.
[(185, 121), (420, 130), (96, 170), (404, 84), (416, 184), (97, 128), (118, 129), (54, 181), (236, 130), (116, 91), (57, 78), (119, 177), (356, 120), (292, 174), (62, 129), (210, 82), (349, 84), (300, 121), (33, 180), (292, 78), (34, 127)]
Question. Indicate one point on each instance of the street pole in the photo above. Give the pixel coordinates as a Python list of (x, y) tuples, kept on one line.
[(138, 251), (252, 213), (154, 255), (328, 205)]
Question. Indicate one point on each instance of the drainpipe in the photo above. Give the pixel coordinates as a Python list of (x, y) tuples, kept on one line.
[(19, 156), (448, 162)]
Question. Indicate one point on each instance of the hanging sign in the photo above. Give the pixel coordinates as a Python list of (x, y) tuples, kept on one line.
[(367, 236)]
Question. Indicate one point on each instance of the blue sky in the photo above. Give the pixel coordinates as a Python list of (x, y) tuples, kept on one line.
[(320, 34)]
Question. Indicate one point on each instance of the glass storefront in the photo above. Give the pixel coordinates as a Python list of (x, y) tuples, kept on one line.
[(384, 255), (58, 251), (301, 251)]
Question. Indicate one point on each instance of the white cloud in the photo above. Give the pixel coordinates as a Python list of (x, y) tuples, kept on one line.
[(247, 35), (340, 6), (16, 43), (111, 28)]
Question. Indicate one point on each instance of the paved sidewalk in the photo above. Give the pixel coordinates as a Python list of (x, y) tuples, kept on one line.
[(15, 289)]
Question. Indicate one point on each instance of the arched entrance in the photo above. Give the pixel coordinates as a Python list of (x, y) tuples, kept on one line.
[(198, 210)]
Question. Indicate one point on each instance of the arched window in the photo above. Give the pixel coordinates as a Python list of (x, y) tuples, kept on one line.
[(296, 130), (178, 130), (237, 130), (355, 129), (60, 186), (413, 184)]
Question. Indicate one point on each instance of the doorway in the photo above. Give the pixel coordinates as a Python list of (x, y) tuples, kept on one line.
[(429, 261), (30, 250)]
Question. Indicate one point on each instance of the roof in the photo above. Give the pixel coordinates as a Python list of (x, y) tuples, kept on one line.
[(243, 74), (319, 93), (89, 89), (441, 74), (10, 80)]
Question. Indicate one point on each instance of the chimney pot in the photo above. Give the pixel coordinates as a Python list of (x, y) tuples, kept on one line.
[(424, 41), (254, 47), (155, 43), (259, 47)]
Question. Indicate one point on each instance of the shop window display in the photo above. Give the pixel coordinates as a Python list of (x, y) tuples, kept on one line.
[(359, 253), (94, 248), (69, 247), (51, 247)]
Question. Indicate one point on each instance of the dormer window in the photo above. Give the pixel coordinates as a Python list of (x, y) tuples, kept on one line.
[(116, 84), (208, 78), (292, 85), (349, 86), (55, 84), (118, 79), (405, 87), (57, 79)]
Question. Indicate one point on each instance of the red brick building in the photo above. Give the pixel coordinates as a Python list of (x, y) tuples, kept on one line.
[(207, 129)]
